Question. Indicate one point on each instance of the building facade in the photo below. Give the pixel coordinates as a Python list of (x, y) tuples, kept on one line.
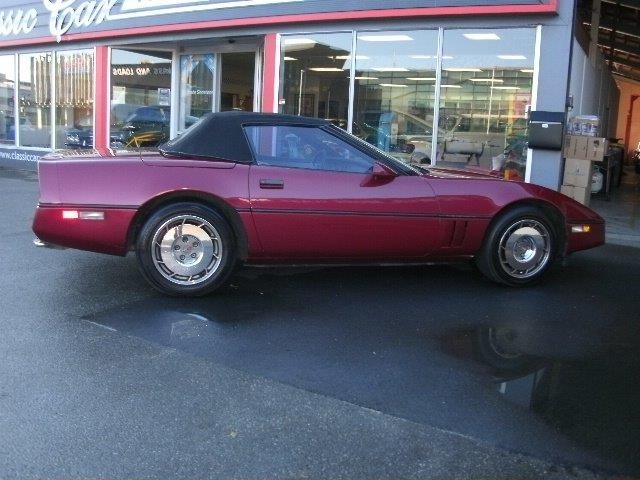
[(441, 81)]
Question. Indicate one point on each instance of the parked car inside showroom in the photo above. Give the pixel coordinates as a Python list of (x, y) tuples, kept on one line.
[(250, 188)]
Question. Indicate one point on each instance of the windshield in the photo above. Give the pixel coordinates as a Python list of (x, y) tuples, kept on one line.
[(374, 151)]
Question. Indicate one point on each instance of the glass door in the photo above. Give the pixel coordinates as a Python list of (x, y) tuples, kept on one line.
[(198, 88), (213, 82)]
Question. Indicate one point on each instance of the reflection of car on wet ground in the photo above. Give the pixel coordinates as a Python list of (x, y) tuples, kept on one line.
[(274, 189)]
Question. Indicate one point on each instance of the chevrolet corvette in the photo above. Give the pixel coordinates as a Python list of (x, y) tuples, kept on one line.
[(268, 189)]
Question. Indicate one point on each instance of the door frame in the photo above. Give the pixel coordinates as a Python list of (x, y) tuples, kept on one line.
[(217, 50)]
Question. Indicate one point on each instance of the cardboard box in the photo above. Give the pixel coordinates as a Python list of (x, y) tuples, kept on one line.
[(581, 150), (569, 149), (577, 172), (597, 148), (580, 194), (567, 190)]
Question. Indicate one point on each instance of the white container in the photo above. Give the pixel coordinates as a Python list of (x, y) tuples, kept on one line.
[(597, 180)]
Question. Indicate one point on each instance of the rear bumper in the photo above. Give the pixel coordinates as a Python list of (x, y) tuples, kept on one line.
[(80, 228)]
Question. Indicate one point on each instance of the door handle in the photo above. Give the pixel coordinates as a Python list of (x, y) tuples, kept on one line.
[(272, 183)]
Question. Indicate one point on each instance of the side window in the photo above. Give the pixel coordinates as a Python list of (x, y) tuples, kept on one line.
[(305, 147)]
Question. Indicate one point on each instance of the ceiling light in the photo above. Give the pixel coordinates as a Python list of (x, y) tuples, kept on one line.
[(422, 79), (481, 36), (385, 38), (393, 85), (450, 86), (488, 80), (366, 78), (512, 57), (348, 57), (326, 69), (391, 69), (527, 70), (289, 59)]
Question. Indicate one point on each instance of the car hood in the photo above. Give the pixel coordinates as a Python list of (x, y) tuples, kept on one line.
[(447, 172)]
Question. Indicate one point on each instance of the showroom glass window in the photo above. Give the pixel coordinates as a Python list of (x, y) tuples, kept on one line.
[(7, 90), (485, 92), (315, 76), (394, 91), (74, 99), (140, 98), (35, 96)]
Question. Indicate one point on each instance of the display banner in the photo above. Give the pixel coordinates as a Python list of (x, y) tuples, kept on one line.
[(54, 20)]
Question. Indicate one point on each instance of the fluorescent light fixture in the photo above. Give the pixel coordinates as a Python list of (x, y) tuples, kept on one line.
[(366, 78), (487, 80), (299, 41), (481, 36), (385, 38), (527, 70), (326, 69), (512, 57), (506, 88), (463, 70), (422, 79), (391, 69), (393, 85), (450, 86), (290, 59)]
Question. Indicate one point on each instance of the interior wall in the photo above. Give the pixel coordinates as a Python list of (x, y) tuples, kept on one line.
[(594, 90)]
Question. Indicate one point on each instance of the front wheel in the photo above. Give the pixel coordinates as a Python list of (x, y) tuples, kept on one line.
[(498, 348), (185, 249), (519, 248)]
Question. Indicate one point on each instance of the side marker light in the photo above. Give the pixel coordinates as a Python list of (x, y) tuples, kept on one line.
[(580, 228)]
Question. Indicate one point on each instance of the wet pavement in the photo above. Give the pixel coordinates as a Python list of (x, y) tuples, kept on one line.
[(316, 373)]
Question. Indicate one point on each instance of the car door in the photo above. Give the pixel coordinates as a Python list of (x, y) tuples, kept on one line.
[(315, 196)]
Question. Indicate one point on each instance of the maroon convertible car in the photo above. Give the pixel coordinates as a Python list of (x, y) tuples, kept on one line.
[(263, 189)]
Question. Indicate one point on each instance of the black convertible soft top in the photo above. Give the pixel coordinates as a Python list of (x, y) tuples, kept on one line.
[(220, 135)]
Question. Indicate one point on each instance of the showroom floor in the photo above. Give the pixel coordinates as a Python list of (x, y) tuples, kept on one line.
[(621, 210)]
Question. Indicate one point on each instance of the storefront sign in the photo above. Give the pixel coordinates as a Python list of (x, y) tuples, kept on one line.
[(56, 18)]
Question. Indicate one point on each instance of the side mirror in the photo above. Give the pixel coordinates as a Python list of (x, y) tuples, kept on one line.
[(380, 175), (382, 171)]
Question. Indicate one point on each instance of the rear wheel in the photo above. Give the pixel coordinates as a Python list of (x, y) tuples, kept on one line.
[(186, 249), (519, 248)]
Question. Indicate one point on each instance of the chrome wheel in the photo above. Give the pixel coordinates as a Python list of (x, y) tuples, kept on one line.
[(520, 246), (525, 248), (186, 250)]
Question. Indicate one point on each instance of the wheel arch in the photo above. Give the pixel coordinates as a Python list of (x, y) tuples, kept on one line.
[(554, 214), (219, 205)]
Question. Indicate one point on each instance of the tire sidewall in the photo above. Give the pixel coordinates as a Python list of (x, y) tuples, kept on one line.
[(146, 262), (489, 262)]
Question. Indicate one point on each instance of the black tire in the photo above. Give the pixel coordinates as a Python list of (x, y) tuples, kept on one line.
[(186, 249), (519, 248), (497, 348)]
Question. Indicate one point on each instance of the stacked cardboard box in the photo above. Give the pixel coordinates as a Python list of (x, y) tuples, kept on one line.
[(580, 152)]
